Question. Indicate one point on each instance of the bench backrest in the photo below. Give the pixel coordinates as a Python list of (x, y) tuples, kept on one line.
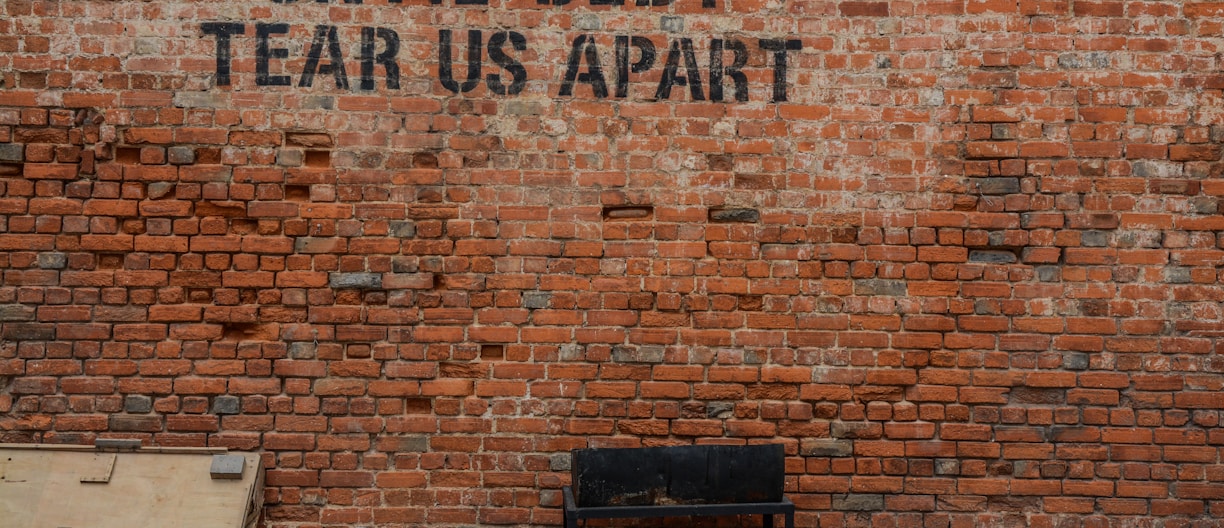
[(704, 474)]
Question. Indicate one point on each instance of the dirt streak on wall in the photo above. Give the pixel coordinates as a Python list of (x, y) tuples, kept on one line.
[(961, 257)]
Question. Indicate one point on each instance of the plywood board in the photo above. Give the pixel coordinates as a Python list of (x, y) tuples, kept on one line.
[(50, 488)]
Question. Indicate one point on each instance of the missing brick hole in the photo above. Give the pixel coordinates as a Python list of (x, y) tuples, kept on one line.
[(127, 155), (297, 193), (318, 158), (439, 281), (742, 214), (199, 295), (996, 255), (628, 212), (492, 351), (418, 406), (110, 261), (249, 332), (243, 226)]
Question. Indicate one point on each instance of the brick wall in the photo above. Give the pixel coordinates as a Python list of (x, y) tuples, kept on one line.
[(960, 257)]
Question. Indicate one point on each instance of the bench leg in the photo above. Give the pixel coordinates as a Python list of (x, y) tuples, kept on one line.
[(790, 519), (768, 520), (571, 507)]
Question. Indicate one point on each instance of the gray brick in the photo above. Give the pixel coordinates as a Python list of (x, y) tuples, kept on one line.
[(407, 444), (1144, 238), (1205, 205), (302, 350), (1027, 220), (672, 23), (402, 228), (405, 265), (137, 404), (536, 300), (998, 185), (1049, 273), (318, 102), (560, 462), (1099, 59), (52, 260), (1157, 169), (360, 281), (148, 46), (16, 312), (947, 466), (29, 332), (1177, 275), (12, 152), (1075, 361), (985, 307), (290, 157), (991, 256), (1070, 61), (826, 447), (894, 288), (226, 405), (181, 155), (122, 423), (735, 215), (571, 352), (858, 502), (525, 108), (588, 21), (1094, 239), (632, 354), (201, 100)]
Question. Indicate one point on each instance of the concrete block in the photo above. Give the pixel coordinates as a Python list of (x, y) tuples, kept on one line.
[(227, 467)]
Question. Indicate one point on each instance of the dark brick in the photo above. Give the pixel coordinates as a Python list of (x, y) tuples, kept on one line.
[(998, 185), (858, 502), (135, 424), (735, 215)]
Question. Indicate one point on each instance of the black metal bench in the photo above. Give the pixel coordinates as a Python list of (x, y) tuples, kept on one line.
[(680, 481)]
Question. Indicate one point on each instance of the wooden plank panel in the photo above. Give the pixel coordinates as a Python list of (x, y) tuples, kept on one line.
[(43, 488)]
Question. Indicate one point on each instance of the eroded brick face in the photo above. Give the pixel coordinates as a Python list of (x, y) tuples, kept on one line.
[(961, 257)]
